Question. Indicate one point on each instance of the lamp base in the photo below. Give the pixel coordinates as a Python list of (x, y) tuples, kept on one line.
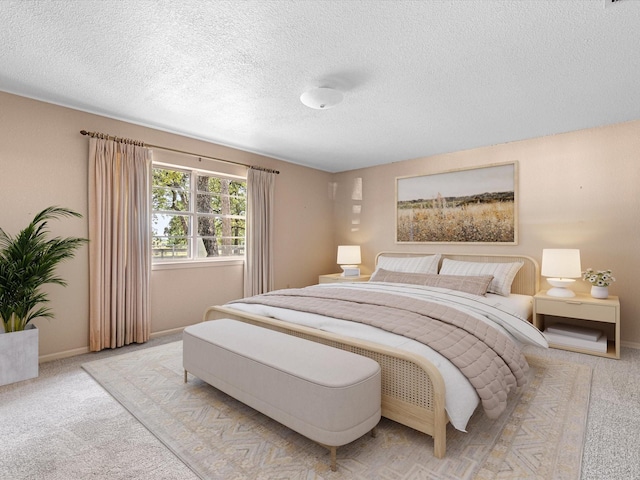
[(350, 271), (561, 292), (560, 287)]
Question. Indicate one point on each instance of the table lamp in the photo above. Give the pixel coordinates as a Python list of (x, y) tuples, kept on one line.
[(561, 266), (349, 259)]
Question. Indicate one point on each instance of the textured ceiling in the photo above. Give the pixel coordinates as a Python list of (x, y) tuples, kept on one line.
[(419, 77)]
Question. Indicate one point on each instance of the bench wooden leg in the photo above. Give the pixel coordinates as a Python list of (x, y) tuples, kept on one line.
[(185, 376), (332, 452), (333, 458)]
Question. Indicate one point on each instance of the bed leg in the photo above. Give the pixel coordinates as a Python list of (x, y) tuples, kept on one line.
[(439, 448), (374, 432), (185, 376), (439, 439)]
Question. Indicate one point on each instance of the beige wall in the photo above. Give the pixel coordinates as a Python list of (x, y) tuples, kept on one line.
[(43, 161), (575, 190)]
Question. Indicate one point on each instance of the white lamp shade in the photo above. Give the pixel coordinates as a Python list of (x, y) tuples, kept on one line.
[(349, 255), (561, 263)]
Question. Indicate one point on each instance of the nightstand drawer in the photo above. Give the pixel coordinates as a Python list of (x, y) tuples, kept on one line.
[(576, 309)]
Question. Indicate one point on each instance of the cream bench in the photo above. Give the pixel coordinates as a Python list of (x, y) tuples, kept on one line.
[(328, 395)]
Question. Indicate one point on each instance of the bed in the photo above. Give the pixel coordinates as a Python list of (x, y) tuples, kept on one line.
[(418, 387)]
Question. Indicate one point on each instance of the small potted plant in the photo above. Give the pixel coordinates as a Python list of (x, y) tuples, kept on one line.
[(27, 262), (599, 280)]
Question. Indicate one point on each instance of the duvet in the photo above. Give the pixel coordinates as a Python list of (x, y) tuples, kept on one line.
[(475, 341)]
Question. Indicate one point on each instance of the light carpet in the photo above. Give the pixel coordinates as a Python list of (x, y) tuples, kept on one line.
[(540, 436)]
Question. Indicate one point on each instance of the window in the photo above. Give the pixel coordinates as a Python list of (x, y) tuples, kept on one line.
[(197, 215)]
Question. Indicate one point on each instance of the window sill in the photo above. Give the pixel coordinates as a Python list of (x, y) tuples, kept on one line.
[(197, 264)]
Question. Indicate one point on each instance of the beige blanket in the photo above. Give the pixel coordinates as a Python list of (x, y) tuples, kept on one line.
[(491, 361)]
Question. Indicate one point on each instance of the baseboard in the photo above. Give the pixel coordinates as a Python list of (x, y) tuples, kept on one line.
[(167, 332), (635, 345), (61, 355), (82, 350)]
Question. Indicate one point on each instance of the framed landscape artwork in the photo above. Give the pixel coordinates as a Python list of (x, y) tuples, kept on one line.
[(476, 205)]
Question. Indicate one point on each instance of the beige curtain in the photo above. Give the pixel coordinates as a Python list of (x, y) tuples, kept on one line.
[(119, 243), (258, 272)]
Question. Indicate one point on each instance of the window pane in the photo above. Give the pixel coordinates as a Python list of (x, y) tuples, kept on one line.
[(170, 248), (237, 197), (238, 187), (221, 236), (208, 203), (211, 247), (207, 247), (170, 199), (221, 204), (171, 190), (208, 241), (167, 177), (207, 183), (168, 224), (238, 228), (238, 205)]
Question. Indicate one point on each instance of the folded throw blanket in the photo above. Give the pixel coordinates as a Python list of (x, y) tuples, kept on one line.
[(490, 360)]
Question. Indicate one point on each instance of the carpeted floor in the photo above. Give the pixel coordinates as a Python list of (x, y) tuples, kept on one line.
[(541, 436), (62, 425)]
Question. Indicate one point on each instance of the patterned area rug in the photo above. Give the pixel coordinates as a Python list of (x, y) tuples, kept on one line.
[(540, 436)]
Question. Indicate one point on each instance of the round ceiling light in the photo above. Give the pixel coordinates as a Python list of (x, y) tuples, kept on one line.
[(321, 98)]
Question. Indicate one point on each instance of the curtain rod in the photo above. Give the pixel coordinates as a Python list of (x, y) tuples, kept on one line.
[(139, 143)]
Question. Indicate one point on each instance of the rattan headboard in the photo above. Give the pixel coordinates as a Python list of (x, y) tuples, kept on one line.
[(527, 281)]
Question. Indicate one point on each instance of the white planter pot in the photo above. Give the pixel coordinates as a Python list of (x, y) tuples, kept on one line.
[(18, 355), (599, 292)]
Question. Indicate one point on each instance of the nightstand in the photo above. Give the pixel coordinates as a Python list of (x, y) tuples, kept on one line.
[(581, 311), (337, 278)]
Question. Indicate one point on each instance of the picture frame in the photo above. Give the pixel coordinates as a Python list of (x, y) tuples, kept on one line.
[(471, 206)]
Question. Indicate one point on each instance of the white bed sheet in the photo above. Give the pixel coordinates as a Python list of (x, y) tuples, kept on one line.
[(461, 399)]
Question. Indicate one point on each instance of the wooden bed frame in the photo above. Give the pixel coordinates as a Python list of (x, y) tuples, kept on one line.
[(413, 391)]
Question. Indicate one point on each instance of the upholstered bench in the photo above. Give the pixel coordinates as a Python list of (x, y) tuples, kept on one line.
[(326, 394)]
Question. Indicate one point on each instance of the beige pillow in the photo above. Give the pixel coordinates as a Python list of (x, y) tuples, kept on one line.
[(476, 285), (503, 273), (422, 264)]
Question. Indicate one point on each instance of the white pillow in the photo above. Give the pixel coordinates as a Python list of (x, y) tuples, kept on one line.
[(425, 264), (474, 285), (503, 273)]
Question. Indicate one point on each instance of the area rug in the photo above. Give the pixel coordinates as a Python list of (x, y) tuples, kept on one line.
[(540, 436)]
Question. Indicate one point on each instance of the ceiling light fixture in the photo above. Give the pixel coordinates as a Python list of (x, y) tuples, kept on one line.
[(321, 98)]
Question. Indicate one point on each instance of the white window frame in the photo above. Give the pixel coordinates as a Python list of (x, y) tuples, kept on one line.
[(192, 260)]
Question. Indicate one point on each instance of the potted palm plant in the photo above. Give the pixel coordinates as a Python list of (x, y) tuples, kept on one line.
[(27, 262)]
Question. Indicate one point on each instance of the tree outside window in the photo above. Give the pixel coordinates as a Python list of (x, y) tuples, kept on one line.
[(197, 215)]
